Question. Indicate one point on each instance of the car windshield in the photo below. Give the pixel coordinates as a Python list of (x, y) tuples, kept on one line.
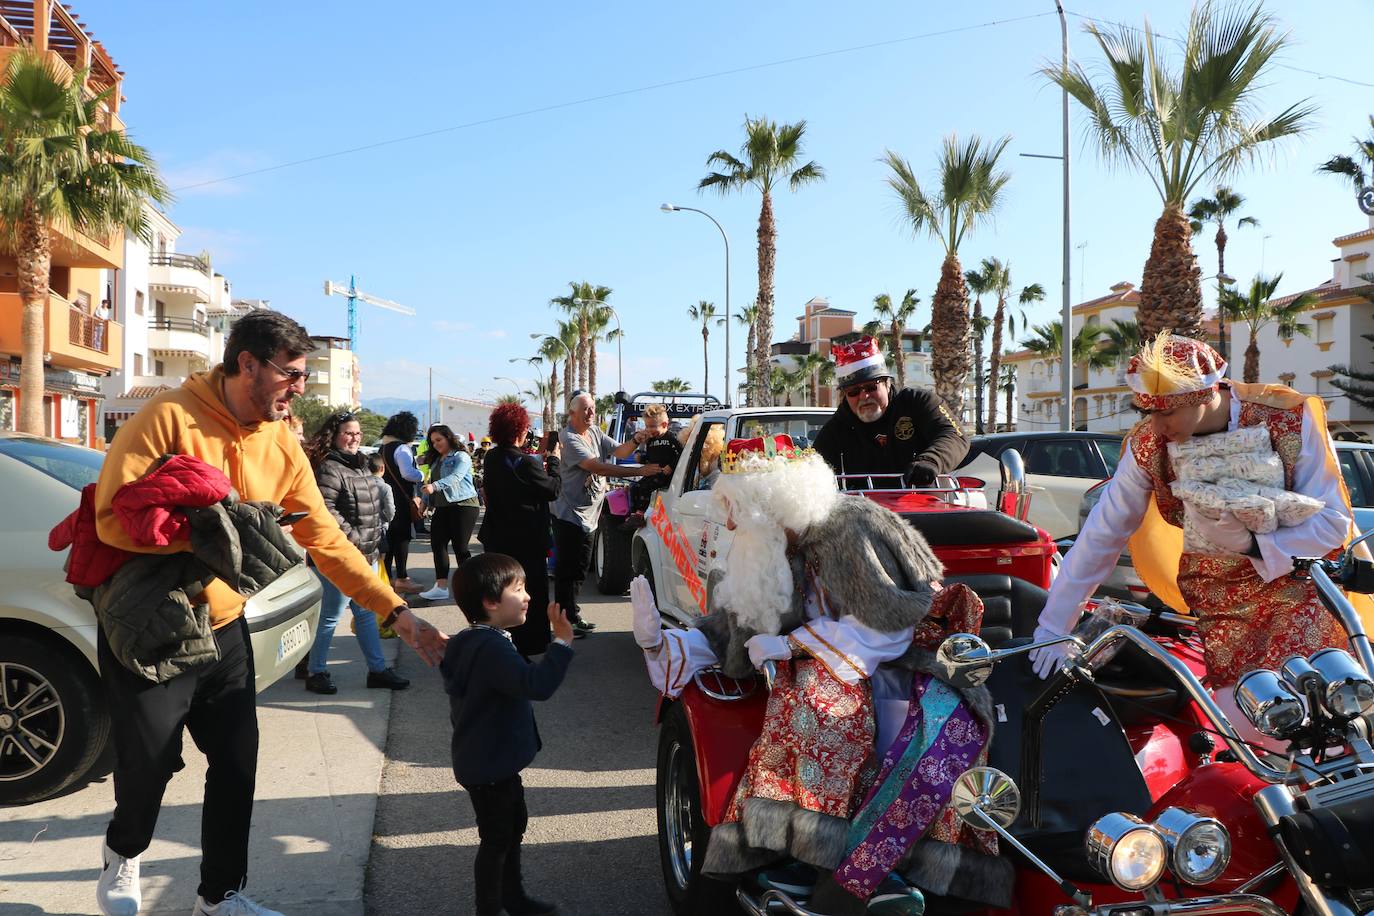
[(1111, 453), (801, 427), (71, 464)]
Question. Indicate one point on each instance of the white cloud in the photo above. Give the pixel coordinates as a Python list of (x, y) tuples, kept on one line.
[(498, 333), (443, 325)]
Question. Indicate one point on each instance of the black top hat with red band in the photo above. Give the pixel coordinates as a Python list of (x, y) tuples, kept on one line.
[(859, 362)]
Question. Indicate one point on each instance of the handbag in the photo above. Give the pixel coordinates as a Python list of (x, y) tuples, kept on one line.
[(417, 505)]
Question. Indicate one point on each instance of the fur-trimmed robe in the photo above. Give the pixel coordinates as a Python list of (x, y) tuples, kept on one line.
[(879, 569)]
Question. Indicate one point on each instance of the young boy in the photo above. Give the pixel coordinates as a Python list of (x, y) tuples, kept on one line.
[(657, 445), (494, 734), (377, 465)]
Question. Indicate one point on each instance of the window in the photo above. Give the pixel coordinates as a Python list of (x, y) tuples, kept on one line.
[(138, 364), (1325, 327), (6, 409), (1060, 458), (1288, 378), (801, 427), (1111, 453), (138, 302), (1350, 470), (159, 368), (695, 478), (83, 301), (75, 467)]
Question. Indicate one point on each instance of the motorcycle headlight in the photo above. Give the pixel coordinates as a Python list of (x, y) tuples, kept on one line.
[(1270, 704), (1199, 847), (1349, 690), (1127, 850)]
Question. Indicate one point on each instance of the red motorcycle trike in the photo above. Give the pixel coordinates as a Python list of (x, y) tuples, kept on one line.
[(1129, 809)]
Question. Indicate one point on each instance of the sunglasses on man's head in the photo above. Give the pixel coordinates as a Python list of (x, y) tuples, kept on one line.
[(866, 388)]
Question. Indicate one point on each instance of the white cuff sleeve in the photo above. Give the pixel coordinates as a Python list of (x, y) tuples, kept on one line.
[(680, 656), (848, 649)]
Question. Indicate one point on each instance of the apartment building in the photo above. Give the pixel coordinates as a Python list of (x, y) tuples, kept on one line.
[(334, 373), (82, 338)]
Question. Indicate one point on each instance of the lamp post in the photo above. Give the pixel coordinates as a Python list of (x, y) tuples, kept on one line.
[(506, 378), (619, 336), (670, 208)]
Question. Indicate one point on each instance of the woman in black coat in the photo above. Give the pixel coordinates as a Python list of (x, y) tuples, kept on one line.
[(518, 488)]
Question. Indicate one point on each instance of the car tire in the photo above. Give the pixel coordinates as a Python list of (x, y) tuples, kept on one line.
[(682, 830), (613, 571), (67, 737)]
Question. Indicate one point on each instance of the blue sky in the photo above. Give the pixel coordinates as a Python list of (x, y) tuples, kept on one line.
[(476, 228)]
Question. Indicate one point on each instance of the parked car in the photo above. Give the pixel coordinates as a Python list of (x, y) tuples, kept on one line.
[(1060, 468), (1356, 460), (53, 720)]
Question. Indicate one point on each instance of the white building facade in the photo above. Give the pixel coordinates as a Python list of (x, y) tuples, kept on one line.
[(464, 416), (334, 373)]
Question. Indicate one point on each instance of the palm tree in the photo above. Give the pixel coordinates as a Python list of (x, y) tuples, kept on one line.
[(554, 350), (673, 385), (818, 369), (703, 312), (1358, 384), (568, 333), (59, 169), (970, 188), (981, 282), (1029, 295), (545, 394), (582, 303), (1008, 386), (1257, 310), (770, 154), (598, 321), (748, 315), (1357, 170), (1182, 126), (782, 382), (895, 317), (1217, 210), (1087, 348), (1121, 341)]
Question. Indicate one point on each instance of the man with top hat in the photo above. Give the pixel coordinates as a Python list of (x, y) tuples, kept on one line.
[(844, 599), (879, 430), (1251, 613)]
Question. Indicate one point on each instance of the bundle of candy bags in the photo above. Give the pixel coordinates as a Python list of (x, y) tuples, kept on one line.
[(1238, 472)]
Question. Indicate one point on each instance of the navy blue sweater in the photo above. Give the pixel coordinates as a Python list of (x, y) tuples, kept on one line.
[(489, 688)]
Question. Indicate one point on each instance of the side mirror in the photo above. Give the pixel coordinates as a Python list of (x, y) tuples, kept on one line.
[(1013, 498), (964, 660), (985, 794)]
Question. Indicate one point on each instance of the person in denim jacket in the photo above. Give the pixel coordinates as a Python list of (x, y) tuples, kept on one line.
[(453, 495)]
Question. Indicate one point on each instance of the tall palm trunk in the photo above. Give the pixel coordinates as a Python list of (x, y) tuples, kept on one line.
[(591, 367), (1252, 355), (568, 369), (1011, 392), (1221, 270), (582, 352), (894, 343), (768, 236), (34, 256), (705, 362), (978, 380), (1171, 287), (999, 318), (949, 336), (551, 405), (751, 369)]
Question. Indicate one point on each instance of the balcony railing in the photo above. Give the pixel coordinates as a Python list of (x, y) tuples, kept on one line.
[(88, 331), (179, 324), (179, 260)]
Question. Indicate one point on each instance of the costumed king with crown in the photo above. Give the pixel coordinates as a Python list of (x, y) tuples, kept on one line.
[(861, 742), (1228, 568)]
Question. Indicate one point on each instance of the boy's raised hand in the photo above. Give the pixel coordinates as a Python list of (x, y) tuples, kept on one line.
[(562, 627)]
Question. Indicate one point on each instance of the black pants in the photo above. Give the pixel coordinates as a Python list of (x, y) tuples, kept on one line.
[(501, 820), (574, 548), (534, 635), (398, 544), (451, 525), (216, 703)]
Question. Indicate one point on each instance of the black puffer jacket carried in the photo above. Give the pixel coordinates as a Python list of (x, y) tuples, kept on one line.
[(350, 495)]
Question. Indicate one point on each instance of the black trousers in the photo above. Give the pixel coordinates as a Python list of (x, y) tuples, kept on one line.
[(534, 635), (451, 525), (574, 548), (217, 704), (398, 538), (501, 821)]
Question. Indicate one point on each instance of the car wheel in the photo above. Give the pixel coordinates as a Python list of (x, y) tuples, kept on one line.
[(53, 723), (613, 572), (682, 830)]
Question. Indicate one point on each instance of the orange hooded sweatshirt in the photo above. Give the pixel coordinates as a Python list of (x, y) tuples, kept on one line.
[(264, 462)]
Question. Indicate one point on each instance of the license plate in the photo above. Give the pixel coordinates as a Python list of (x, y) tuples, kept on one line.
[(293, 639)]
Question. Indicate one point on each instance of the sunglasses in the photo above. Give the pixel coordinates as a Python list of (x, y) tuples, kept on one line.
[(295, 375), (866, 388)]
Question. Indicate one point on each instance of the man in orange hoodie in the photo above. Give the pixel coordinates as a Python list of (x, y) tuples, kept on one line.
[(228, 418)]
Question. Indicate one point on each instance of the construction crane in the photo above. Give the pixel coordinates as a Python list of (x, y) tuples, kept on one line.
[(354, 296)]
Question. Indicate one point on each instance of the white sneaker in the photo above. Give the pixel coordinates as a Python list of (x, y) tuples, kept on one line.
[(233, 904), (437, 593), (117, 893)]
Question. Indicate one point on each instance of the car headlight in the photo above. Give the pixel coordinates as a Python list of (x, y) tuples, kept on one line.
[(1270, 704), (1199, 847), (1127, 850)]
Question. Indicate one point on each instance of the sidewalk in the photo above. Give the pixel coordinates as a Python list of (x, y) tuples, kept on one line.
[(319, 762)]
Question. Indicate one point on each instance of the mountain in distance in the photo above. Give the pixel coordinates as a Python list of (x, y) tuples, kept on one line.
[(388, 406)]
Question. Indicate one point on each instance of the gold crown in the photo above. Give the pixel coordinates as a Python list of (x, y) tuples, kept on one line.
[(735, 462)]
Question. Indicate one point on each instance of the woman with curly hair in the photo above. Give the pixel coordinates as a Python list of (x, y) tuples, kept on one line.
[(402, 476), (350, 494), (519, 488)]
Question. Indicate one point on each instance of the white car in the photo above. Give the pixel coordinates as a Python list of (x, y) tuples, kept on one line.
[(1060, 468), (53, 720)]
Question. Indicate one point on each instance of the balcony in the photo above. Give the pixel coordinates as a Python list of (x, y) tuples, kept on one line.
[(72, 338), (180, 275), (179, 337)]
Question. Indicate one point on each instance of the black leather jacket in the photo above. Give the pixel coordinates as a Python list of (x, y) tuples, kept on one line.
[(916, 428)]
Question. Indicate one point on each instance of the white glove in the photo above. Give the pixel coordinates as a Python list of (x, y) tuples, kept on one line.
[(762, 648), (648, 625), (1046, 660), (1227, 532)]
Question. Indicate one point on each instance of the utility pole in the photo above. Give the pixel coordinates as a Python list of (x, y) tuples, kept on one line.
[(429, 404), (1066, 359)]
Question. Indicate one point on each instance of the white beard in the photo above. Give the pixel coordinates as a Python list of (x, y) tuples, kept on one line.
[(757, 585)]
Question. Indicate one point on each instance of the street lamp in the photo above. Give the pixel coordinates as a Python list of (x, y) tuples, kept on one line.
[(670, 208), (506, 378), (619, 335)]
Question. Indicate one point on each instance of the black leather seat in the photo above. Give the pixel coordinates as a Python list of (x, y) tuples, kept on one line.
[(971, 526), (1010, 606)]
